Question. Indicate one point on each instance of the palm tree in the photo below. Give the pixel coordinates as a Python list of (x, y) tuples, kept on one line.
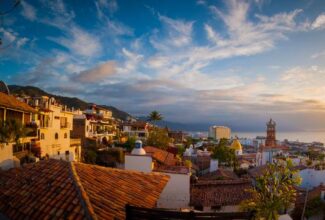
[(155, 116)]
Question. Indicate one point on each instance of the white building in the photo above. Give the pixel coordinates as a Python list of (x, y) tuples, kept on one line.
[(218, 132), (312, 178)]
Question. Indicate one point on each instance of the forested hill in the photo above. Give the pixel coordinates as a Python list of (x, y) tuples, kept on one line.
[(68, 101)]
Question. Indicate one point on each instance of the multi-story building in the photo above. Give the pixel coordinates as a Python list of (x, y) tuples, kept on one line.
[(138, 129), (11, 109), (94, 123), (218, 132), (55, 125)]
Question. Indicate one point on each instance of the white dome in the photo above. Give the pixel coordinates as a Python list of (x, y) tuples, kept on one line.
[(138, 151)]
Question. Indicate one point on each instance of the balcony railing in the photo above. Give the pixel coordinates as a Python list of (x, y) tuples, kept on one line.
[(31, 129), (75, 142)]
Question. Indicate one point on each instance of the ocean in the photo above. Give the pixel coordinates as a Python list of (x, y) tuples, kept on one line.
[(302, 136)]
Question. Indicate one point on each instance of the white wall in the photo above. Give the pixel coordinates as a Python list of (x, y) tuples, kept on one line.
[(141, 163), (6, 156), (176, 193), (213, 165), (312, 178)]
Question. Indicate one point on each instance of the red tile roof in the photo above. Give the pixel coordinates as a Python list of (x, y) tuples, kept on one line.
[(220, 174), (9, 101), (161, 156), (63, 190), (220, 192)]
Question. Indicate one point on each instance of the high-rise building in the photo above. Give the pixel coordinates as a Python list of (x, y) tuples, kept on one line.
[(270, 134), (218, 132)]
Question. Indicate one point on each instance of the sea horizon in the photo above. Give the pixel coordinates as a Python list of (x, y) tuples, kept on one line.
[(302, 136)]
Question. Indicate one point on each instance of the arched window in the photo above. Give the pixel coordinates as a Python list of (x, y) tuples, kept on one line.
[(56, 136), (65, 135), (42, 136)]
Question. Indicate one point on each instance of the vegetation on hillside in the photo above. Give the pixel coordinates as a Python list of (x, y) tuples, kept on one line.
[(68, 101)]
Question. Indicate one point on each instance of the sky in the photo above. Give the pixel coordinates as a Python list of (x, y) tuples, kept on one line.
[(198, 62)]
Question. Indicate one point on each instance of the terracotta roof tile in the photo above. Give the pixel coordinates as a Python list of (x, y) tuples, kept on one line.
[(220, 192), (161, 156), (58, 189), (10, 101)]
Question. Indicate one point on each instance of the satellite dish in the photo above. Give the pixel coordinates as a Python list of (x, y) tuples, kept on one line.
[(4, 88)]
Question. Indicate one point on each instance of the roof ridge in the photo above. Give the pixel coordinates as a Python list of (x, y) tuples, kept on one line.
[(85, 202)]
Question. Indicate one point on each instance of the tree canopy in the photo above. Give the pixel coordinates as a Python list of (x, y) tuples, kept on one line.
[(158, 137), (274, 191), (225, 154), (12, 131), (155, 116)]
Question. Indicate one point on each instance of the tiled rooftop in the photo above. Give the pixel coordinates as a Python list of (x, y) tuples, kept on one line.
[(220, 192), (64, 190), (220, 174), (161, 156), (10, 101)]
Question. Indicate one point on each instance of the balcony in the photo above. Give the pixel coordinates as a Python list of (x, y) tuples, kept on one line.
[(31, 129)]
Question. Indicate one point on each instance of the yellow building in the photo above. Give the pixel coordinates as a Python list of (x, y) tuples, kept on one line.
[(55, 122), (11, 109), (219, 132), (236, 145)]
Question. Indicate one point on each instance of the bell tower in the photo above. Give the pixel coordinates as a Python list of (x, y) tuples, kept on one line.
[(270, 134)]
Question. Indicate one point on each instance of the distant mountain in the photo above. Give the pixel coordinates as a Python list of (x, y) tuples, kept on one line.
[(68, 101)]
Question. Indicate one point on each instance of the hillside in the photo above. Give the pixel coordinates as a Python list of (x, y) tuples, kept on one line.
[(68, 101)]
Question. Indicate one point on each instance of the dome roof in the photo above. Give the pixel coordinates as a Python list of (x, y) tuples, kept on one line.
[(236, 145)]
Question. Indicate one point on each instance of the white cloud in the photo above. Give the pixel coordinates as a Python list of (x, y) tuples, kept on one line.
[(95, 75), (29, 12), (319, 22), (318, 55), (80, 42)]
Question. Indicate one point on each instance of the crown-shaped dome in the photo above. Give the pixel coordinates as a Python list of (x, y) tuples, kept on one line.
[(236, 145)]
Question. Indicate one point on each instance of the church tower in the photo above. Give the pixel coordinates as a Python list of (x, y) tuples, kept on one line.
[(270, 134)]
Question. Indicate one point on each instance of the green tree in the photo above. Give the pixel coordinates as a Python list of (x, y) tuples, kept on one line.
[(155, 116), (12, 131), (158, 137), (130, 143), (274, 191), (225, 154)]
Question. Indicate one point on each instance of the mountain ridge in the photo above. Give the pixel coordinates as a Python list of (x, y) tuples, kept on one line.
[(65, 100)]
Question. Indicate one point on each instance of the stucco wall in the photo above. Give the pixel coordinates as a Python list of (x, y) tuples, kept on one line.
[(176, 193), (141, 163), (6, 156), (312, 178)]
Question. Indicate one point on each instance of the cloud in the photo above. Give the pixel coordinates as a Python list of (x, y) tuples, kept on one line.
[(96, 74), (318, 55), (29, 12), (111, 5), (319, 22), (80, 42)]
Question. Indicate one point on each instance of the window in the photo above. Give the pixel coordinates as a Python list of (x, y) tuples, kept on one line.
[(65, 135), (56, 136), (42, 136), (58, 152)]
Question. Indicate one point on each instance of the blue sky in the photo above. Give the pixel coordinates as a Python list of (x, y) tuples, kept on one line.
[(230, 62)]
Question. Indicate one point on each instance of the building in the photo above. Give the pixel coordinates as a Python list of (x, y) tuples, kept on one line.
[(94, 124), (236, 146), (266, 154), (137, 129), (270, 134), (11, 109), (177, 136), (176, 194), (220, 195), (218, 132), (57, 189), (55, 125)]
